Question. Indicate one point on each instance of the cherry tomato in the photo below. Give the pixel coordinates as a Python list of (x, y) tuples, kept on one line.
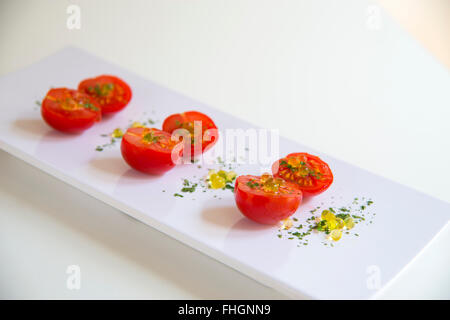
[(69, 110), (307, 172), (207, 136), (148, 150), (111, 93), (266, 199)]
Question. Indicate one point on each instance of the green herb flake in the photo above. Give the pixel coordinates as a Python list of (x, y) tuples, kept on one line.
[(189, 189), (252, 184), (150, 137), (90, 106)]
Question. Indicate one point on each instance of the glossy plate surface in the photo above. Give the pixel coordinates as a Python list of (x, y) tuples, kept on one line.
[(405, 220)]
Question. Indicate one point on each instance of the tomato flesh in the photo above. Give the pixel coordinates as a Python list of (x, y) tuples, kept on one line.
[(148, 150), (202, 140), (308, 173), (110, 92), (69, 110), (265, 203)]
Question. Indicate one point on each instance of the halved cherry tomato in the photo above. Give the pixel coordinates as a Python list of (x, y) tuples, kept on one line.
[(307, 172), (69, 110), (111, 93), (205, 138), (148, 150), (266, 199)]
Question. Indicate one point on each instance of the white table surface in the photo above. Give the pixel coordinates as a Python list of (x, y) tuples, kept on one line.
[(237, 56)]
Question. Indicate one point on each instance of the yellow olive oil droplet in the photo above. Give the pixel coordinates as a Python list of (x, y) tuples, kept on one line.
[(265, 177), (216, 181), (293, 161), (349, 223), (340, 224), (137, 124), (117, 133), (336, 234), (327, 215), (222, 174), (279, 181), (332, 224), (286, 224), (271, 184), (211, 172), (230, 176)]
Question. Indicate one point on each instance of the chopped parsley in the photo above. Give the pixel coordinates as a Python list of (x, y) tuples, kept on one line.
[(101, 91), (150, 138), (188, 186), (343, 216), (229, 186), (331, 224), (304, 166), (252, 184), (106, 145), (90, 106)]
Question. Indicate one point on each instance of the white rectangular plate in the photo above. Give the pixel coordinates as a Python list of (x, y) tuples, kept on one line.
[(209, 221)]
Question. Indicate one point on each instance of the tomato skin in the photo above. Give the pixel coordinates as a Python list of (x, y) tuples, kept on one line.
[(69, 121), (319, 185), (143, 157), (176, 121), (116, 100), (263, 207)]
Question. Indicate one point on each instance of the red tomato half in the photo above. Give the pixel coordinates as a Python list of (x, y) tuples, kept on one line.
[(69, 110), (148, 150), (111, 93), (205, 138), (266, 200), (307, 172)]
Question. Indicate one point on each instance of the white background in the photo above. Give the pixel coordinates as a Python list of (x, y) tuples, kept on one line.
[(238, 56)]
